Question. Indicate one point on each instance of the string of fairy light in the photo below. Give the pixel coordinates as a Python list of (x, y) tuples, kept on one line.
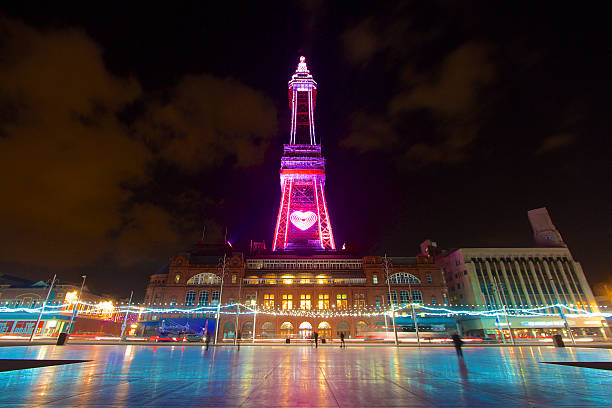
[(401, 310)]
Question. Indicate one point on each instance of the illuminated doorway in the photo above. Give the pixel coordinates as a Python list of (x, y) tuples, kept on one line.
[(305, 330), (286, 329), (325, 331)]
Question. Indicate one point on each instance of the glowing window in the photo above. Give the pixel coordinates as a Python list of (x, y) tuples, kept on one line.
[(323, 301), (286, 329), (404, 297), (177, 278), (204, 279), (341, 301), (233, 278), (404, 278), (215, 297), (269, 301), (375, 279), (417, 296), (203, 299), (305, 302), (287, 302)]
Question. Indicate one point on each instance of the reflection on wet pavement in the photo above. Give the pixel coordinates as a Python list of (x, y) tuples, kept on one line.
[(164, 376)]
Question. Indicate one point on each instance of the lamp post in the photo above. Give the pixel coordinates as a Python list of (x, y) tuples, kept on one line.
[(254, 315), (386, 265), (237, 311), (414, 316), (567, 326), (502, 299), (75, 310), (223, 265), (126, 316), (384, 314), (42, 309)]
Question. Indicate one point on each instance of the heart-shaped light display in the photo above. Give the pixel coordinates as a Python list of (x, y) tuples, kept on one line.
[(303, 220)]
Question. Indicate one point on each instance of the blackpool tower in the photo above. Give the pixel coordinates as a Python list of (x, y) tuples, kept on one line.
[(303, 220)]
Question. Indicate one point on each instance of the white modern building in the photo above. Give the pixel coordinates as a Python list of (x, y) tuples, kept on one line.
[(521, 278)]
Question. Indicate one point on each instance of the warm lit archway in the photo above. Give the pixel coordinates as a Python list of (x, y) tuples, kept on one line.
[(325, 330), (286, 329), (305, 330)]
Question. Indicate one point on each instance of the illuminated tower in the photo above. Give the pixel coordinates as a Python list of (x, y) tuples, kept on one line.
[(303, 220)]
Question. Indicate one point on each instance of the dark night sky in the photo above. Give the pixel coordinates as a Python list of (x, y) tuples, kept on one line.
[(124, 129)]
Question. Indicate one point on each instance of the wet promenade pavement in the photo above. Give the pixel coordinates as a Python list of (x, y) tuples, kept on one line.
[(173, 376)]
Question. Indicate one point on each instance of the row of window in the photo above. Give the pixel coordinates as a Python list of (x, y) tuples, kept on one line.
[(212, 279), (190, 298), (405, 298), (306, 301), (304, 264)]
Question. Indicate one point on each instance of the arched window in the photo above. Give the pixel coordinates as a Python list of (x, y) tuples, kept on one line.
[(324, 330), (204, 279), (247, 330), (305, 330), (343, 327), (228, 330), (361, 327), (267, 330), (286, 329), (404, 278)]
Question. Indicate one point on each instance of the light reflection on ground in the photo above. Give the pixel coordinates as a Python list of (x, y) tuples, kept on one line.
[(150, 376)]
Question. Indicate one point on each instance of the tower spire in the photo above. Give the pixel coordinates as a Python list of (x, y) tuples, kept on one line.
[(302, 99)]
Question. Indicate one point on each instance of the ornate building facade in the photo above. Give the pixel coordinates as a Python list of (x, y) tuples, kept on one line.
[(304, 283), (293, 295)]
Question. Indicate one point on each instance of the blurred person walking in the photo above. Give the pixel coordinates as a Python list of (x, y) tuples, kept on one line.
[(458, 343)]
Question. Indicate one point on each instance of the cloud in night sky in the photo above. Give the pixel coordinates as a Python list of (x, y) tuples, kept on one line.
[(69, 168), (449, 94), (361, 42), (556, 142), (206, 120), (64, 156)]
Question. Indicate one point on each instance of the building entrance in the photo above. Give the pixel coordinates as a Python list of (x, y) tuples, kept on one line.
[(305, 330)]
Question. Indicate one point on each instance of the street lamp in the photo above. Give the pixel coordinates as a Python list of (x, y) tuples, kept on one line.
[(126, 315), (42, 308), (414, 316), (502, 299), (75, 310), (223, 265), (386, 265)]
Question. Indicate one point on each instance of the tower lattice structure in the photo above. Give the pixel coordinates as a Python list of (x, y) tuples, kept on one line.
[(303, 220)]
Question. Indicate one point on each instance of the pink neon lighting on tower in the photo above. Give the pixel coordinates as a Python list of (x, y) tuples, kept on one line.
[(302, 174)]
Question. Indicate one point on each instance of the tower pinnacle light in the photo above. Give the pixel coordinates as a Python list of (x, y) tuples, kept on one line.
[(303, 219)]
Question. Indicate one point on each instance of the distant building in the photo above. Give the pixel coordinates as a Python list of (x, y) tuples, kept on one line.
[(96, 316), (519, 278)]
